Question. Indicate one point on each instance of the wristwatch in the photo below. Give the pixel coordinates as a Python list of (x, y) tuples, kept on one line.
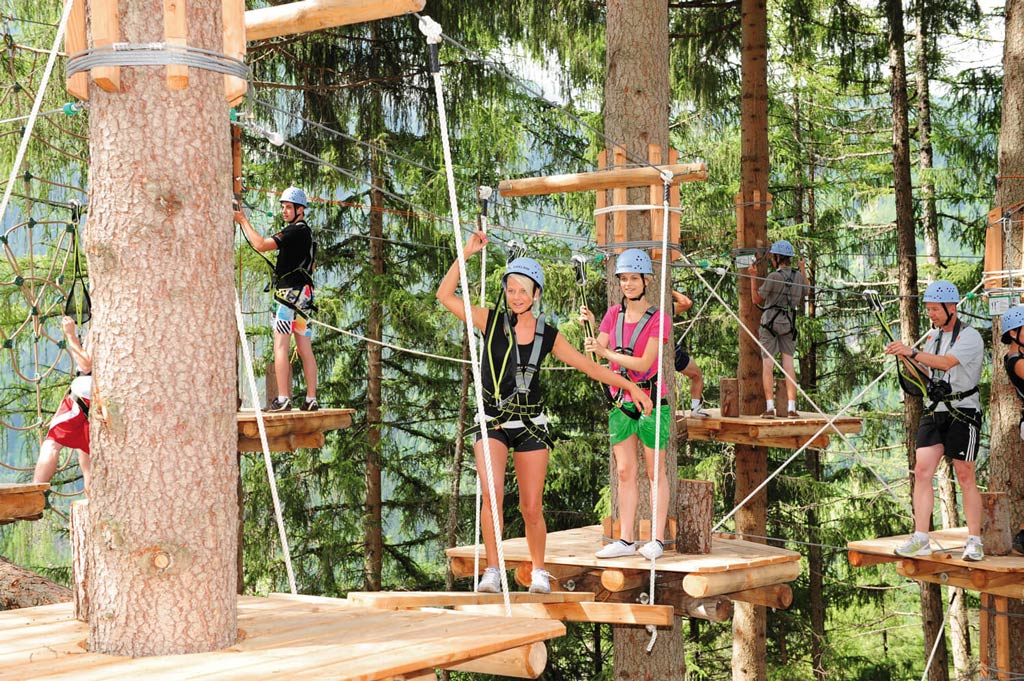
[(913, 353)]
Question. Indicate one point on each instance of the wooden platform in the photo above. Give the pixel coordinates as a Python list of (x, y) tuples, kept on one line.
[(733, 565), (290, 430), (22, 501), (997, 575), (783, 433), (281, 637)]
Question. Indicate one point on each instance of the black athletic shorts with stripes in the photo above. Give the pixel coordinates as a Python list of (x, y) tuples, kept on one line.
[(957, 434)]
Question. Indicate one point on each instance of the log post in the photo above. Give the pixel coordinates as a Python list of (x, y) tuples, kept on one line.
[(80, 558), (74, 42), (781, 398), (21, 588), (996, 533), (271, 384), (729, 394), (695, 506)]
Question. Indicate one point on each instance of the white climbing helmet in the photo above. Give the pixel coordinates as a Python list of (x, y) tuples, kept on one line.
[(633, 261), (941, 291), (294, 195), (527, 267), (783, 248)]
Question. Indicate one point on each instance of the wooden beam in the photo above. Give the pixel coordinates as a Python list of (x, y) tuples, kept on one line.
[(620, 196), (601, 221), (106, 31), (914, 567), (283, 443), (524, 662), (587, 611), (1002, 637), (778, 596), (994, 248), (623, 580), (713, 609), (961, 578), (233, 19), (176, 33), (75, 41), (22, 501), (306, 16), (400, 600), (701, 585), (617, 178), (985, 579), (984, 619), (860, 559)]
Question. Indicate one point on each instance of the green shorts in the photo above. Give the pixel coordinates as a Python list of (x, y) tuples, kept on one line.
[(621, 426)]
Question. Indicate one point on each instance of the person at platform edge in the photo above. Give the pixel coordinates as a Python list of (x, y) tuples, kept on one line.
[(1012, 326), (779, 296), (69, 427), (951, 422), (293, 293), (516, 343)]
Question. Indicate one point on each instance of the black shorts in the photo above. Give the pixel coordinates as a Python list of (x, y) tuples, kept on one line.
[(957, 434), (682, 359), (518, 436)]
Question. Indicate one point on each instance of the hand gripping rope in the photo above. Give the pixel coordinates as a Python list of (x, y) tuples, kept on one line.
[(432, 30)]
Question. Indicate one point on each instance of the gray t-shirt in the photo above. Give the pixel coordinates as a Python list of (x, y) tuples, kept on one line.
[(970, 350), (784, 288)]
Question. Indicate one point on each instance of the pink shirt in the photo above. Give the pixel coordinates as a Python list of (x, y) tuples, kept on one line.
[(608, 324)]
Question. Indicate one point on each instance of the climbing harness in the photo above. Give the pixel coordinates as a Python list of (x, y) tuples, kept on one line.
[(646, 383), (788, 310)]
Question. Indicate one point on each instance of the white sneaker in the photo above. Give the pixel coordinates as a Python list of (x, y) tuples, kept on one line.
[(974, 551), (917, 545), (540, 582), (617, 549), (699, 413), (490, 582), (652, 550)]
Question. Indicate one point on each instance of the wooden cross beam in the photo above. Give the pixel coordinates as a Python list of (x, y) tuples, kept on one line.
[(616, 178), (315, 15)]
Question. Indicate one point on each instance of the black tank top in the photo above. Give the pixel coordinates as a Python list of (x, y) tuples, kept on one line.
[(1016, 381)]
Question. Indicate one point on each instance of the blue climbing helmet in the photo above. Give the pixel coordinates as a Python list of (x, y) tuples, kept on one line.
[(527, 267), (783, 248), (1011, 319), (941, 291), (294, 195), (633, 261)]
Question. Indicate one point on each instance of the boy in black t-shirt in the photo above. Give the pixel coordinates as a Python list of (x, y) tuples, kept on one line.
[(293, 291)]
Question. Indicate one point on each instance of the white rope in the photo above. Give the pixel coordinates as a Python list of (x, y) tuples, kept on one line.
[(432, 30), (939, 636), (830, 420), (484, 194), (263, 442), (34, 113), (388, 345), (656, 399), (630, 207)]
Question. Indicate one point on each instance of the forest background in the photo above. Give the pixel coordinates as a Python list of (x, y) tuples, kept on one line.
[(376, 507)]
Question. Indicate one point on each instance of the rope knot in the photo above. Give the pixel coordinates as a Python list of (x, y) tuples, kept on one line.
[(431, 29)]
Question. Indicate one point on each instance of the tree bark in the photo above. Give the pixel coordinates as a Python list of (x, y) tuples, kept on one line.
[(21, 588), (931, 594), (959, 623), (160, 242), (749, 622), (373, 536), (636, 109), (1007, 455), (929, 218)]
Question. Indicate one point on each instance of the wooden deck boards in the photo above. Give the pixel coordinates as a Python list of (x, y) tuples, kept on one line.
[(576, 547), (290, 430), (947, 546), (281, 637), (22, 501), (785, 433)]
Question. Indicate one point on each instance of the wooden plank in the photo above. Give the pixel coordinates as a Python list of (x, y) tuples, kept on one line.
[(601, 221), (713, 584), (616, 178), (421, 599), (655, 199), (861, 559), (984, 618), (283, 443), (524, 662), (605, 612), (947, 546), (620, 197), (176, 33), (994, 248), (1002, 637), (16, 504), (75, 42), (105, 24), (306, 16), (294, 422), (778, 596), (961, 578), (674, 218), (233, 19)]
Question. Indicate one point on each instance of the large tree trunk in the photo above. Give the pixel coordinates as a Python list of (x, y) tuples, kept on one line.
[(929, 218), (373, 520), (749, 622), (21, 588), (159, 240), (1007, 456), (931, 594), (636, 108)]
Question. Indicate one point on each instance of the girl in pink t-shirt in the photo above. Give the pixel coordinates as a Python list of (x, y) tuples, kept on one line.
[(628, 338)]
